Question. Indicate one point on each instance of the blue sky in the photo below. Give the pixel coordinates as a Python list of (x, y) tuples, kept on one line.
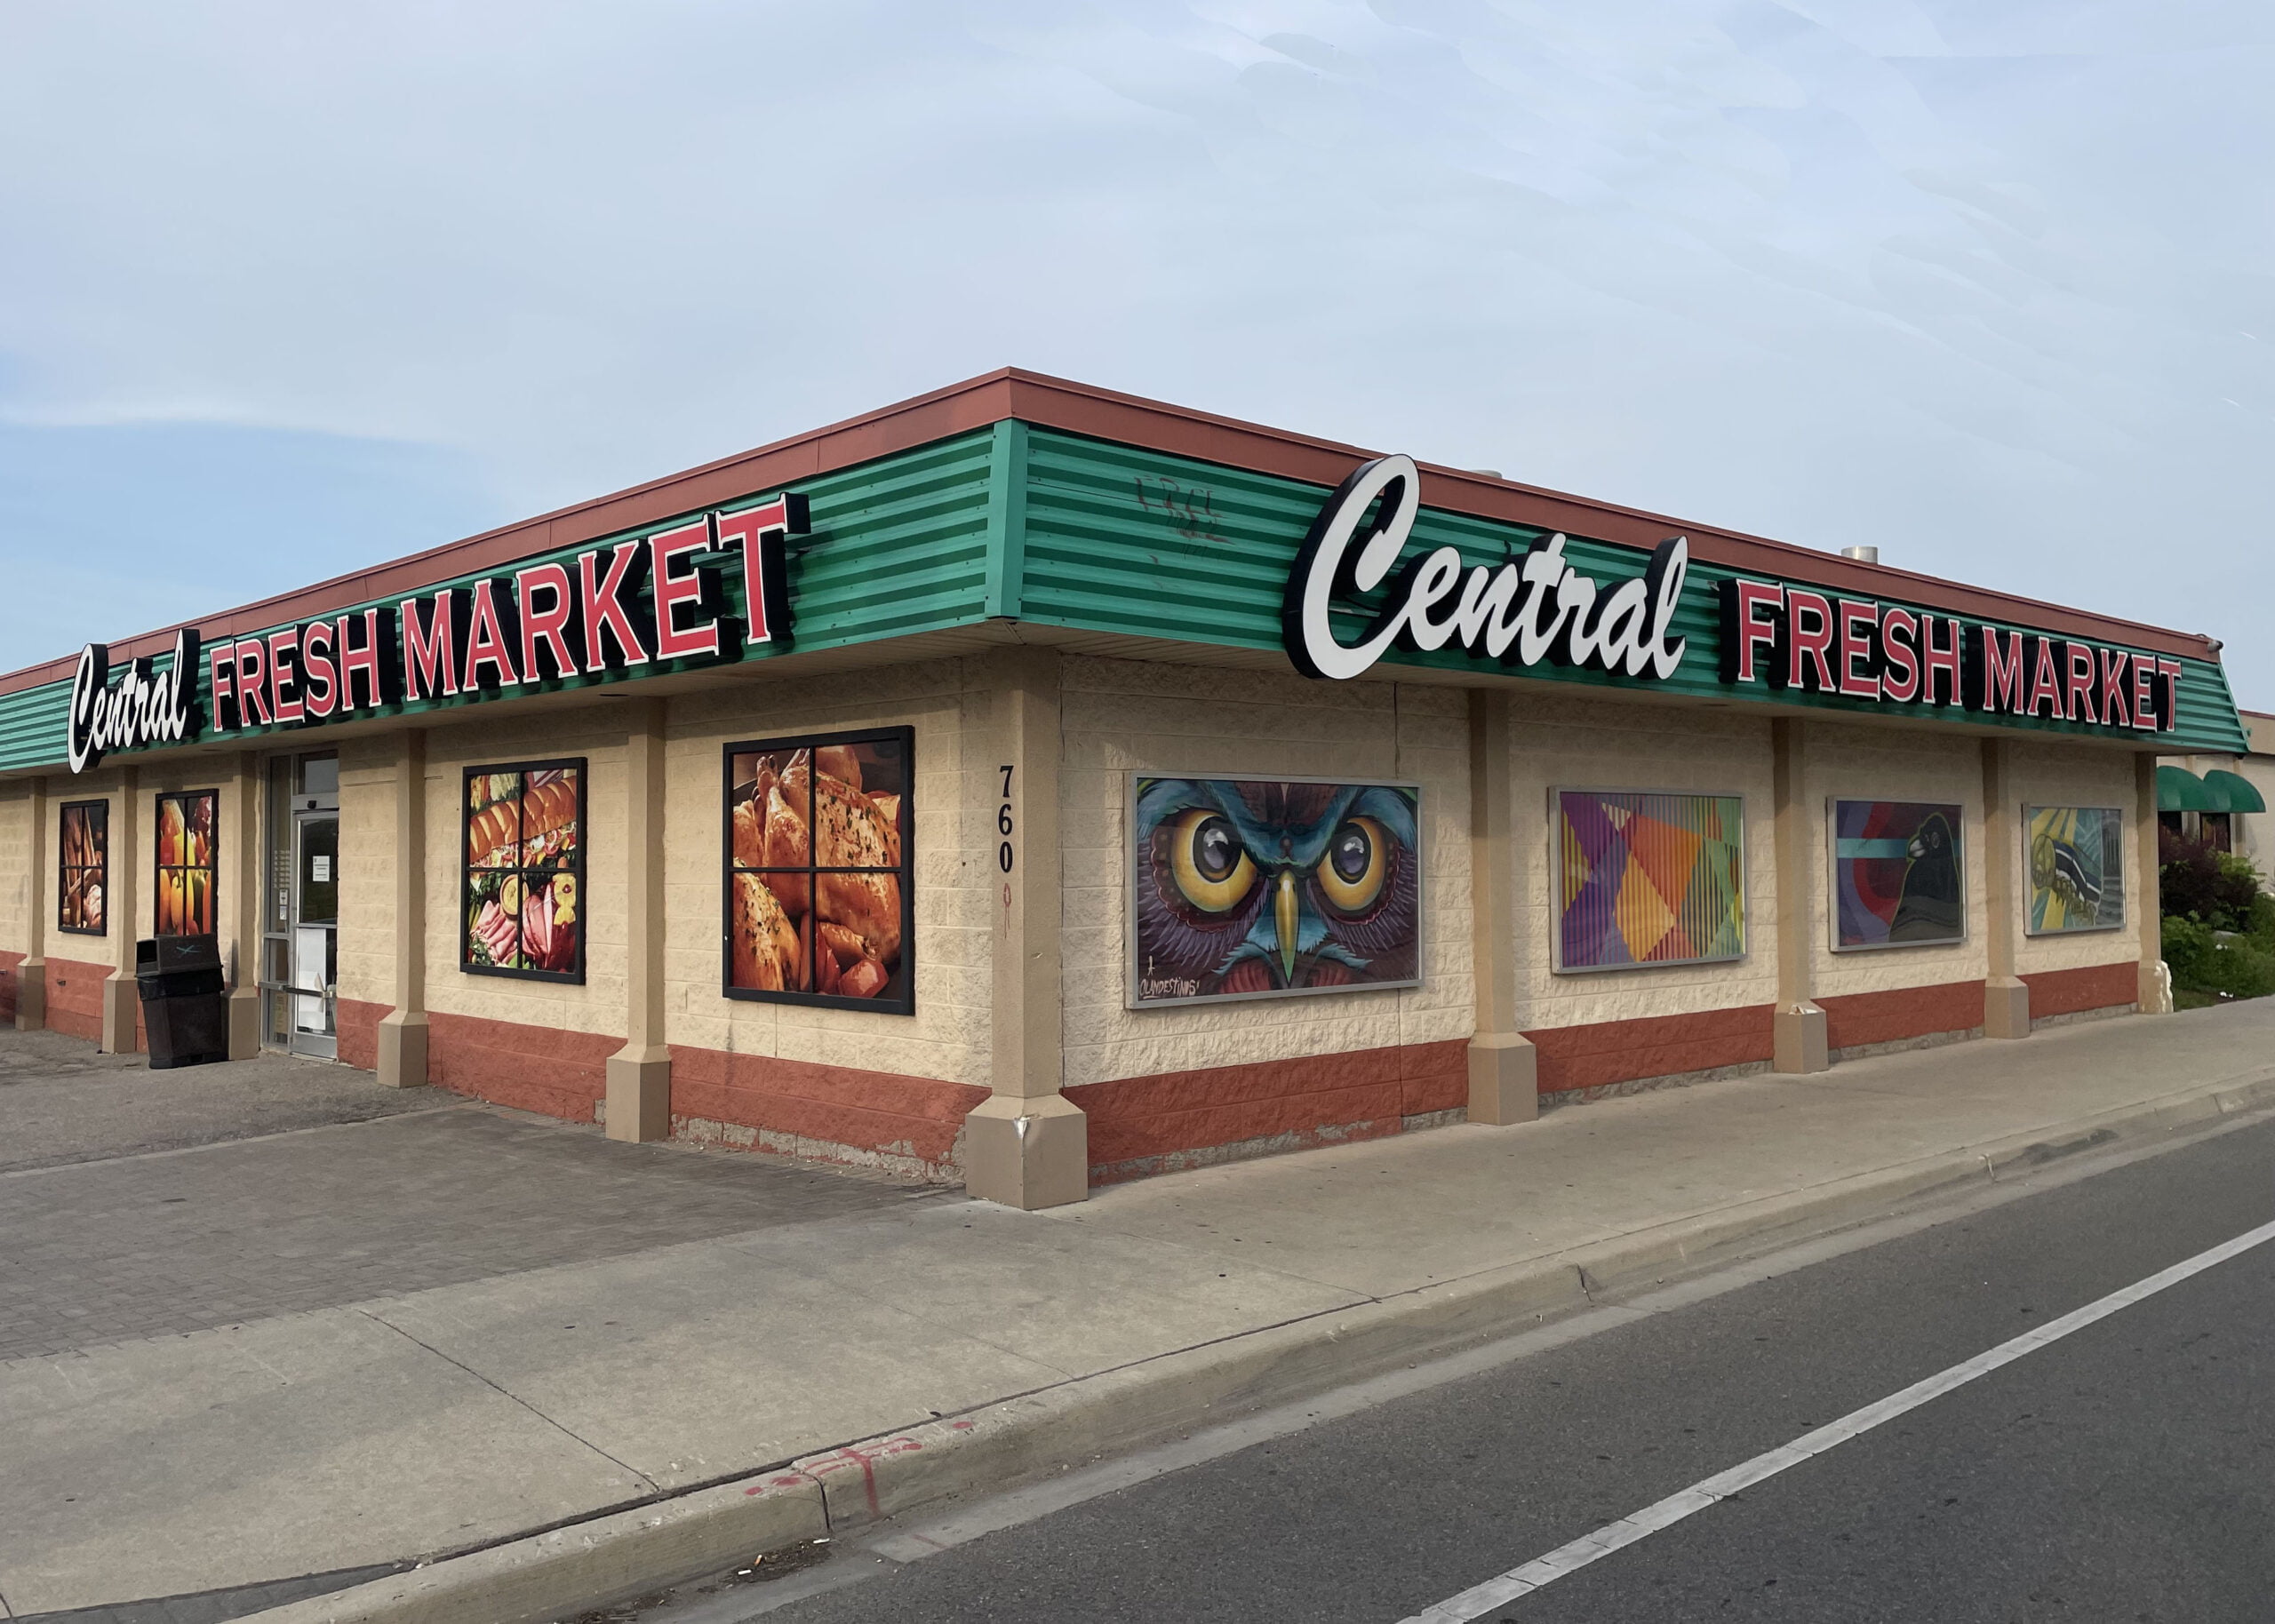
[(285, 289)]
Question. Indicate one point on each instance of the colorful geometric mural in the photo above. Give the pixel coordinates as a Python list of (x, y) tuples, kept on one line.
[(2077, 868), (1646, 878), (1897, 880)]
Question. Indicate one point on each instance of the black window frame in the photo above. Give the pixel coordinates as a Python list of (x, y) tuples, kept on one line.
[(905, 738), (100, 868), (159, 866), (582, 766)]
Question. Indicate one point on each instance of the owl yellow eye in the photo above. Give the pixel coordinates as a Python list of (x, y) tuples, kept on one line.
[(1205, 854), (1356, 865)]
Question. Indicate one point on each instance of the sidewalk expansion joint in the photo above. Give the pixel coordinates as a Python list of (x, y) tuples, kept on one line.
[(80, 1163), (654, 1488)]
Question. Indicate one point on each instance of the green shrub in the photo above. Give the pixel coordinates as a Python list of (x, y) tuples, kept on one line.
[(2203, 883), (2204, 959), (2261, 927), (2187, 943)]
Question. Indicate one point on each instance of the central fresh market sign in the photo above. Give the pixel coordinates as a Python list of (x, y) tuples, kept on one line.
[(650, 600), (1366, 578), (1775, 636)]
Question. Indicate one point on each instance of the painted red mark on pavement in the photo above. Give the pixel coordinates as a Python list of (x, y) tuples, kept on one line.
[(862, 1455)]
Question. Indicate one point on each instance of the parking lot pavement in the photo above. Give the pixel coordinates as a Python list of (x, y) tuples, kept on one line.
[(351, 1191), (62, 1102)]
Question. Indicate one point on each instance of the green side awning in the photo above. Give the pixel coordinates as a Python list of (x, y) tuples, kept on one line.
[(2233, 790), (2178, 790)]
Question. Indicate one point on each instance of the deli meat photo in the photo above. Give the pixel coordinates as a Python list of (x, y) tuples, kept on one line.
[(816, 898), (522, 857)]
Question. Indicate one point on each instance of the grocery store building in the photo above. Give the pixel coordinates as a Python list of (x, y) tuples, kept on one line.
[(1035, 786)]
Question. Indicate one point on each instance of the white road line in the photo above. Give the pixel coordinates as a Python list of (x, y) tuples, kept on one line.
[(1479, 1600)]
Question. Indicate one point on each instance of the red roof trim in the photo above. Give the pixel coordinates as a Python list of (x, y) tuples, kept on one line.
[(1083, 408)]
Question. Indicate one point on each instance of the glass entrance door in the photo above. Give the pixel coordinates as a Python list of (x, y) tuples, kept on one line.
[(315, 931), (300, 945)]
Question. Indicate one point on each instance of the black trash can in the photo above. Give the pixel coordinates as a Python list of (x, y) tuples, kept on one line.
[(185, 1008)]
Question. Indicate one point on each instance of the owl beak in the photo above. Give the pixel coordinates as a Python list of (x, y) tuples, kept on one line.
[(1285, 917)]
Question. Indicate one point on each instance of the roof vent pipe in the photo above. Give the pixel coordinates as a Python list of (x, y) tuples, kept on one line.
[(1863, 555)]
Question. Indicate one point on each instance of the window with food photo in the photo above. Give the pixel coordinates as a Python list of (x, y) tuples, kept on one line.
[(819, 903), (84, 876), (524, 871), (186, 876)]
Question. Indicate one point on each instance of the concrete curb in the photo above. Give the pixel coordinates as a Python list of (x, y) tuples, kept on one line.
[(630, 1553), (585, 1564)]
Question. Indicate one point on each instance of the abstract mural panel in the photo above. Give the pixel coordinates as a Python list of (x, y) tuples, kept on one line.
[(1267, 887), (1897, 878), (2076, 857), (1649, 878)]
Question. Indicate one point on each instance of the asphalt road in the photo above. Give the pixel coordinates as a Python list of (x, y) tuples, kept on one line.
[(2124, 1472)]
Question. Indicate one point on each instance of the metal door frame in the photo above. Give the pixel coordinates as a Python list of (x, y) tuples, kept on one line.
[(324, 1046)]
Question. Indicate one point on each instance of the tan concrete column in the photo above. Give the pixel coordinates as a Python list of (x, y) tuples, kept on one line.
[(403, 1030), (2005, 997), (1029, 1145), (242, 806), (1503, 1067), (1798, 1025), (31, 976), (2155, 994), (640, 1073), (122, 910)]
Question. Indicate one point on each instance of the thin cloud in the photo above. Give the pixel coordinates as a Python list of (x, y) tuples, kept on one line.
[(1975, 282)]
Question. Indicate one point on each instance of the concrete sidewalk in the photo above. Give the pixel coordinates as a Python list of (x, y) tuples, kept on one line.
[(436, 1420)]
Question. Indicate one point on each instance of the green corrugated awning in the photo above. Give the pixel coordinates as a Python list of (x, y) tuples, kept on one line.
[(2178, 790), (2233, 792)]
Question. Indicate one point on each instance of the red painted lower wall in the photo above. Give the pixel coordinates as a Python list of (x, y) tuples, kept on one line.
[(870, 1113), (530, 1068), (1857, 1018), (357, 1024), (74, 998), (1573, 1057), (1136, 1123), (2097, 986), (9, 983)]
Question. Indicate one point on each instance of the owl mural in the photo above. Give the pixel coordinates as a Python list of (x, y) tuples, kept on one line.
[(1251, 887)]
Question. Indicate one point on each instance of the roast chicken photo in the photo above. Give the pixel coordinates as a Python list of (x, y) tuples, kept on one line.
[(815, 903), (520, 854)]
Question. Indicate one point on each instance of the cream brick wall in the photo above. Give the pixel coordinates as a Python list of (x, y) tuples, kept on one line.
[(1125, 716), (955, 805), (18, 932), (497, 739), (1864, 763), (368, 861), (1579, 743), (155, 777), (98, 785), (2061, 775)]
